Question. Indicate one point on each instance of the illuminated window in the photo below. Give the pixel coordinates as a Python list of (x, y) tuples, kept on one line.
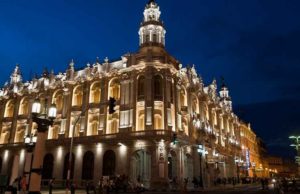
[(9, 109), (140, 117), (5, 132), (20, 133), (53, 132), (77, 96), (158, 115), (24, 106), (183, 98), (114, 89), (58, 100), (95, 93)]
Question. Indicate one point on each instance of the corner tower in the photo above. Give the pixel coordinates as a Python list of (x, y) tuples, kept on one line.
[(152, 31)]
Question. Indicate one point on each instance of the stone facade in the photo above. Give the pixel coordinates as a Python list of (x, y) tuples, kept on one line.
[(156, 98)]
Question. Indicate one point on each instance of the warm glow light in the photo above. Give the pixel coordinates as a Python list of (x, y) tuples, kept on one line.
[(52, 111), (34, 138), (27, 139), (36, 106)]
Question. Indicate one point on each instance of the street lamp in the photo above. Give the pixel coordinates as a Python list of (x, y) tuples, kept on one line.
[(43, 118), (30, 141), (297, 146), (201, 151)]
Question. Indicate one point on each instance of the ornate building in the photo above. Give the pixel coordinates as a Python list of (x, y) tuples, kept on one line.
[(166, 123)]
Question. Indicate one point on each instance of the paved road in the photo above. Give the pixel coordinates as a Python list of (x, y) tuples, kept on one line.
[(238, 190)]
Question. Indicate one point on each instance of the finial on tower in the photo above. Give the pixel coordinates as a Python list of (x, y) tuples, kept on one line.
[(152, 31), (223, 82)]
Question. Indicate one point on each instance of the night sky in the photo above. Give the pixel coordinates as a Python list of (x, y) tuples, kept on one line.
[(253, 44)]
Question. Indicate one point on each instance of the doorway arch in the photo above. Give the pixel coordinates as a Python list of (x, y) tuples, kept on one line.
[(140, 167), (109, 163), (48, 164), (88, 166)]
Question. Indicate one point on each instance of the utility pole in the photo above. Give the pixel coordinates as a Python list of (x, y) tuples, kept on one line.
[(296, 144)]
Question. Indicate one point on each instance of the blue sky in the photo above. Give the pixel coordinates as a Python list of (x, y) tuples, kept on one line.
[(254, 44)]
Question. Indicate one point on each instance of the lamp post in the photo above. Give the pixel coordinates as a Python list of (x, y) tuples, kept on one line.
[(201, 151), (30, 141), (43, 119), (68, 183), (296, 139)]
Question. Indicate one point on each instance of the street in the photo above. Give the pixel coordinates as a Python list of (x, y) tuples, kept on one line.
[(247, 189)]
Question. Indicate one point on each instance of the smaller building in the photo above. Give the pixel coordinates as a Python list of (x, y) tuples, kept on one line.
[(282, 167), (254, 152)]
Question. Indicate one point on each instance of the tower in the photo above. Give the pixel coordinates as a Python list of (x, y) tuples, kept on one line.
[(225, 99), (152, 31)]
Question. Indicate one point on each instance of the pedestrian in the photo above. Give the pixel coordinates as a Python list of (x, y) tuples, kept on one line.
[(266, 183), (87, 187), (185, 183), (23, 184), (195, 182), (100, 185), (73, 187), (262, 181), (51, 185), (15, 186)]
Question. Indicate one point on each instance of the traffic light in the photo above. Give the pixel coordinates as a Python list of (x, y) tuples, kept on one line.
[(174, 138), (112, 104)]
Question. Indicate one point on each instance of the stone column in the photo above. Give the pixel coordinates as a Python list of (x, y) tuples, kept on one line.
[(15, 169)]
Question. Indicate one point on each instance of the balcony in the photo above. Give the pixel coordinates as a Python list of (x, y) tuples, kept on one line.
[(114, 138)]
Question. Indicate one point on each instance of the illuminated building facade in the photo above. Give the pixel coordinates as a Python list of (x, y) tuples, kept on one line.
[(156, 97), (255, 164)]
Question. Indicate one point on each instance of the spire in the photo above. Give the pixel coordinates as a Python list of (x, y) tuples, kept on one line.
[(152, 31), (16, 75), (223, 82), (71, 65)]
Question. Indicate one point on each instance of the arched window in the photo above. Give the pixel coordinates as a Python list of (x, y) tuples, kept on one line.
[(95, 92), (195, 105), (66, 166), (9, 109), (157, 87), (109, 163), (20, 133), (48, 166), (77, 96), (183, 98), (23, 110), (58, 100), (155, 38), (5, 133), (114, 89), (88, 166), (141, 88)]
